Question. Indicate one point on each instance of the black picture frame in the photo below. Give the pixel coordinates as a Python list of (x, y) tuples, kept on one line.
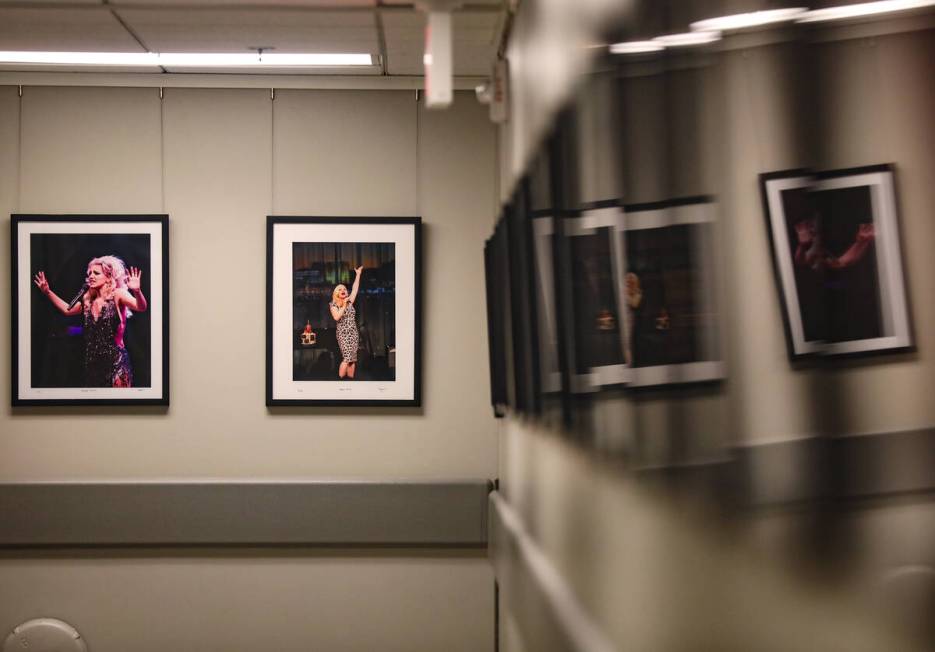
[(496, 342), (524, 318), (595, 237), (837, 258), (63, 359), (304, 264), (540, 226)]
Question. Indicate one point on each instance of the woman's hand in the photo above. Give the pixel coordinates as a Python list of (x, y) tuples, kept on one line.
[(359, 270), (805, 231), (133, 280), (41, 282)]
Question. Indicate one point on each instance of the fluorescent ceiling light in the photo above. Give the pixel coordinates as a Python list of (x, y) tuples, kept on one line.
[(863, 9), (636, 47), (271, 59), (82, 58), (750, 19), (191, 60), (688, 39)]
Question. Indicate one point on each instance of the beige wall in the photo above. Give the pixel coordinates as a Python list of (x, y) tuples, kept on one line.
[(882, 99), (218, 161), (324, 153), (154, 601), (655, 573)]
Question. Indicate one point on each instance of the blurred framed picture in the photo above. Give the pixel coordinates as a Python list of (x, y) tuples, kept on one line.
[(343, 311), (670, 313), (596, 238), (523, 319), (499, 318), (90, 309), (838, 262)]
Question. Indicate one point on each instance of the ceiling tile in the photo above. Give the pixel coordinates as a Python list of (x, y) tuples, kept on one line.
[(477, 26), (90, 29), (471, 61), (236, 30), (474, 44)]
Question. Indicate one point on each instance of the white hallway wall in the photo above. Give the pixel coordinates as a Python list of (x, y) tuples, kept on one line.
[(218, 161), (655, 575)]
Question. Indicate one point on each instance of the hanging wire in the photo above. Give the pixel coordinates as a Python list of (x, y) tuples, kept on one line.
[(19, 153), (272, 151), (162, 145)]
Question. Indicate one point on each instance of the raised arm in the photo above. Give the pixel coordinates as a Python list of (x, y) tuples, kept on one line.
[(356, 286), (865, 236), (56, 300), (133, 297)]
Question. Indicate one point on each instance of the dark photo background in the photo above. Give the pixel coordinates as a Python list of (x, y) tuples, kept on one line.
[(668, 325), (597, 334), (317, 267), (57, 350), (836, 305)]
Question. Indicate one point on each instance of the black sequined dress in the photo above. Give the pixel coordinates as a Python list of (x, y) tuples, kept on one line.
[(105, 363)]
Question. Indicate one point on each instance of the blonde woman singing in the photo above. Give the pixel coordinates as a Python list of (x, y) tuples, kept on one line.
[(342, 309), (109, 295)]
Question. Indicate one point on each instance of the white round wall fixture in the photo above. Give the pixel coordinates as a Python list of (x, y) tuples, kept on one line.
[(44, 635)]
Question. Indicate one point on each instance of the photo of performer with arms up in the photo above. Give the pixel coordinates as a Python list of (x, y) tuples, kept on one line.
[(108, 298), (333, 312), (342, 310)]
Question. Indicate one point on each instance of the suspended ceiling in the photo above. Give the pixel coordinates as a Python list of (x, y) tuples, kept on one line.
[(391, 30)]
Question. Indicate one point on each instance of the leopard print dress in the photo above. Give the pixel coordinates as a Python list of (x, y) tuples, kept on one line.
[(348, 337)]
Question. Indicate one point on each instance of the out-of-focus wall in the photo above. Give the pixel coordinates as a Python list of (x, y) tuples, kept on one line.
[(653, 572), (218, 162), (876, 99)]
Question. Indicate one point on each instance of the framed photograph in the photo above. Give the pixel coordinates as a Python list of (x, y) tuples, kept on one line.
[(541, 222), (90, 309), (343, 311), (836, 252), (670, 311), (550, 375), (524, 319), (596, 237), (498, 318)]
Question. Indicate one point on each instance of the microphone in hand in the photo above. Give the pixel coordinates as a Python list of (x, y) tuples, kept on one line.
[(84, 288)]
